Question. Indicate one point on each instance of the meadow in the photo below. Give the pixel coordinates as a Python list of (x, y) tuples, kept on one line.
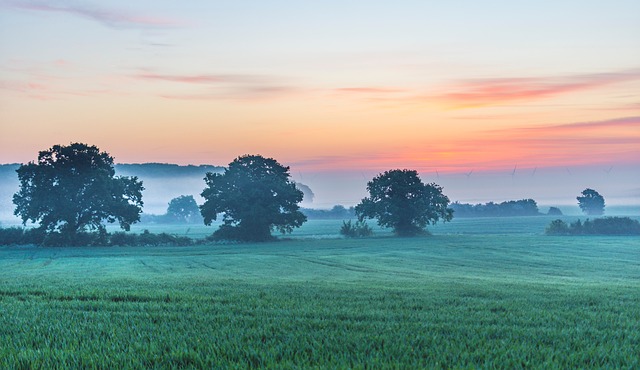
[(491, 293)]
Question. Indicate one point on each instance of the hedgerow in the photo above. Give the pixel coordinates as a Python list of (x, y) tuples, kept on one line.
[(599, 226)]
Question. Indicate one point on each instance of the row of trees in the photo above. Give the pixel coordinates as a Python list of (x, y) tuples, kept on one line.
[(73, 189)]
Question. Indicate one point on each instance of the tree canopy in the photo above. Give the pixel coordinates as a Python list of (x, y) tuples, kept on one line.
[(591, 202), (73, 188), (183, 209), (254, 196), (400, 200)]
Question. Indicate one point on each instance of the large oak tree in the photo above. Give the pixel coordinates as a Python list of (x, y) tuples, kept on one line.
[(74, 188), (400, 200), (254, 196)]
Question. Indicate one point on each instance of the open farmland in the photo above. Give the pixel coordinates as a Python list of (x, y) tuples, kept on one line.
[(478, 293)]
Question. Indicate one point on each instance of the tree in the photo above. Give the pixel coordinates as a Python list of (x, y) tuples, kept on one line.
[(591, 202), (74, 188), (255, 196), (399, 199), (183, 209)]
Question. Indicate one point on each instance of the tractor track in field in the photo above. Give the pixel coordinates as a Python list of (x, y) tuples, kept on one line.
[(149, 267), (357, 268)]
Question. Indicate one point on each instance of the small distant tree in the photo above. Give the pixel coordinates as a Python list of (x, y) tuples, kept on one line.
[(74, 188), (554, 211), (399, 199), (255, 196), (557, 227), (591, 202), (183, 209)]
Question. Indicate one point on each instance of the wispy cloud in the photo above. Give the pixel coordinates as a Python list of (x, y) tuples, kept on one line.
[(221, 86), (108, 17), (369, 90), (200, 78), (498, 91)]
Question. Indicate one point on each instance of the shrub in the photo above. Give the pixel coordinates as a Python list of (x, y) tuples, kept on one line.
[(358, 230), (123, 238), (11, 235), (613, 226)]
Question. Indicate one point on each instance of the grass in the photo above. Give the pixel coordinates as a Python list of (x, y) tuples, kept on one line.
[(474, 295)]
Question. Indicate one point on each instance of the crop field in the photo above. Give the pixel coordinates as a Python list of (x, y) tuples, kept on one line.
[(490, 293)]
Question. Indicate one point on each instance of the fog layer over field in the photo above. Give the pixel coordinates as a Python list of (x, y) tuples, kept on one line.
[(620, 186)]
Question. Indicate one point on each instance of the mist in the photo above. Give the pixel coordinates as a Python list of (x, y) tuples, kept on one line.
[(556, 187)]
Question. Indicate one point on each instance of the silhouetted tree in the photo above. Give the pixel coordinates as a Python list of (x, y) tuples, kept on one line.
[(591, 202), (308, 193), (400, 200), (554, 211), (255, 196), (183, 209), (74, 188)]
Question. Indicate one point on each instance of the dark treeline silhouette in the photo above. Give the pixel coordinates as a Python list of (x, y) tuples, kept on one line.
[(164, 170), (523, 207), (337, 212), (101, 238), (599, 226)]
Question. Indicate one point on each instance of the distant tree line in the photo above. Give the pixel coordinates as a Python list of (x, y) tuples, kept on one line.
[(598, 226), (337, 212), (71, 191), (523, 207), (164, 169)]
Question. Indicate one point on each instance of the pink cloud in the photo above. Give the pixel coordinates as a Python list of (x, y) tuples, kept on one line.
[(497, 91), (108, 17)]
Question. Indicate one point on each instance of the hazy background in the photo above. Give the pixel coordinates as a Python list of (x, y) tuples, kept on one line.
[(549, 187)]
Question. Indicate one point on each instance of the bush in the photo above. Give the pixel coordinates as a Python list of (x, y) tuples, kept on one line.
[(19, 236), (123, 238), (11, 236), (557, 227), (358, 230), (599, 226), (612, 226)]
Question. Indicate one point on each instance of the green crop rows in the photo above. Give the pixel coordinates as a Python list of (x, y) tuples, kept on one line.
[(470, 300)]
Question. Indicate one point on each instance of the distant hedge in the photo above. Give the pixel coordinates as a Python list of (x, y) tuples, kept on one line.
[(599, 226), (24, 236)]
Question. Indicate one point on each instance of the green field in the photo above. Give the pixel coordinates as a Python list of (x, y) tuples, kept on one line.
[(478, 293)]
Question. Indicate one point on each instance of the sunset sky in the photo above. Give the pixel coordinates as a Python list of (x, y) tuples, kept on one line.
[(449, 88)]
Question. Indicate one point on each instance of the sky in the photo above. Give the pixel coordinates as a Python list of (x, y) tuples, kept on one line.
[(482, 96)]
